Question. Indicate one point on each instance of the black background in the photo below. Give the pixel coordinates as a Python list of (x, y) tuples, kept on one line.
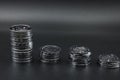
[(91, 23)]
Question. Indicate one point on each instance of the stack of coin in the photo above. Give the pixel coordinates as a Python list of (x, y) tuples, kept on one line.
[(50, 53), (80, 55), (21, 41), (109, 61)]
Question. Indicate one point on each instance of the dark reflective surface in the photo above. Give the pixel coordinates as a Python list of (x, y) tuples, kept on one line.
[(63, 70), (95, 25)]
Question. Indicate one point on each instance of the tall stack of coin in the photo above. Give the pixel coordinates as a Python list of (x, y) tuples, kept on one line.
[(21, 41)]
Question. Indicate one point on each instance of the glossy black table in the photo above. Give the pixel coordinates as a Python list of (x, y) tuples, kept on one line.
[(62, 70), (95, 25)]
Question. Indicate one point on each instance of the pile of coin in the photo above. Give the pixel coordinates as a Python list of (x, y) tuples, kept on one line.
[(80, 55), (21, 41)]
